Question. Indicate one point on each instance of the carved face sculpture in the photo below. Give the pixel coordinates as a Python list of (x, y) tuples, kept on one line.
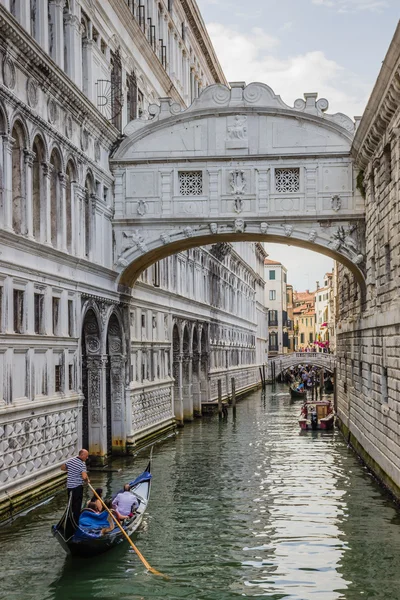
[(165, 238), (239, 226), (264, 227), (213, 227)]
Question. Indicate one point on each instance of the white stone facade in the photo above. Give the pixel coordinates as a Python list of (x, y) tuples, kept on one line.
[(368, 331), (76, 365)]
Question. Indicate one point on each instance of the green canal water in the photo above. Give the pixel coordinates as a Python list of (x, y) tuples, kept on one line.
[(239, 508)]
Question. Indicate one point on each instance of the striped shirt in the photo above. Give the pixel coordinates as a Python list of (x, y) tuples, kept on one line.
[(75, 468)]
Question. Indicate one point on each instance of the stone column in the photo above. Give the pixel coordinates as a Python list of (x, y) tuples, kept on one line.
[(192, 94), (187, 397), (93, 203), (204, 384), (79, 225), (42, 25), (178, 401), (56, 8), (73, 218), (73, 43), (45, 229), (29, 158), (118, 426), (96, 368), (8, 143), (87, 74), (196, 379), (63, 211)]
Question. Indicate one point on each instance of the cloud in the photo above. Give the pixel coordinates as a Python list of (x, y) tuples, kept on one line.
[(253, 57), (345, 6)]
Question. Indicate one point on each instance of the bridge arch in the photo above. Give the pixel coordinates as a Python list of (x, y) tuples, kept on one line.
[(237, 165), (316, 359)]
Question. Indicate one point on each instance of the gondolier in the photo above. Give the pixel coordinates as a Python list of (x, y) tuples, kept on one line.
[(76, 477)]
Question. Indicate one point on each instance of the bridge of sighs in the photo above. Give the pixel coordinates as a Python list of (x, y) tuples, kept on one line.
[(238, 164)]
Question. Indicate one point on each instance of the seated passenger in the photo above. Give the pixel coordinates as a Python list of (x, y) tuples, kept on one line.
[(99, 492), (125, 502), (93, 506)]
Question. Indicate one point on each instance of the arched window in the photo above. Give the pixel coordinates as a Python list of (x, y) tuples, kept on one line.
[(116, 89), (85, 61), (66, 16), (55, 199), (50, 21), (18, 180), (38, 190), (131, 97), (89, 189), (33, 18), (70, 178)]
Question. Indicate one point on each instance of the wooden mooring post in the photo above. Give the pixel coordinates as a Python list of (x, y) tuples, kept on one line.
[(233, 386), (220, 398)]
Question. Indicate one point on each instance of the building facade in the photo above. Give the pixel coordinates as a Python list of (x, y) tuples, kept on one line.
[(324, 322), (304, 320), (369, 324), (290, 317), (83, 363), (276, 300)]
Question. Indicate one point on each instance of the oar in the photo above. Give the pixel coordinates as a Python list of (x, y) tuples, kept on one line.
[(139, 554)]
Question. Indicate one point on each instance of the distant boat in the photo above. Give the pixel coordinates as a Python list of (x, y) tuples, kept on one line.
[(88, 542), (295, 393), (317, 415)]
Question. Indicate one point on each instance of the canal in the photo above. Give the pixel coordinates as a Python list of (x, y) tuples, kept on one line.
[(239, 508)]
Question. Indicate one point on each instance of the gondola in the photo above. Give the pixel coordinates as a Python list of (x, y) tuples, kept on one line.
[(317, 415), (89, 542), (295, 393)]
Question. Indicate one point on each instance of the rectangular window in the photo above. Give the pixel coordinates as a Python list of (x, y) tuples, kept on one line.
[(19, 296), (190, 183), (285, 277), (57, 378), (311, 337), (38, 308), (143, 320), (387, 262), (273, 317), (56, 315), (156, 274), (287, 180), (70, 318), (302, 338), (105, 194), (71, 377), (272, 274), (272, 294), (384, 385), (320, 298)]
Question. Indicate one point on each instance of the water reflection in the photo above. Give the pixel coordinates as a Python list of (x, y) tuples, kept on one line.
[(246, 507)]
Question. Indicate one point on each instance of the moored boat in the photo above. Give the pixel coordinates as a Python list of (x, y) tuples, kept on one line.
[(295, 393), (89, 541), (317, 415)]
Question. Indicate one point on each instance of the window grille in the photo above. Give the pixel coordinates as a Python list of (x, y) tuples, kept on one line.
[(56, 315), (19, 311), (57, 378), (71, 377), (287, 180), (191, 183), (38, 307), (70, 318)]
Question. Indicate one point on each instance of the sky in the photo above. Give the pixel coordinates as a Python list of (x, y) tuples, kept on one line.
[(333, 47)]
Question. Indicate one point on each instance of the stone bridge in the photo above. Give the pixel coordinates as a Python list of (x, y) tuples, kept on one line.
[(285, 361), (238, 164)]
